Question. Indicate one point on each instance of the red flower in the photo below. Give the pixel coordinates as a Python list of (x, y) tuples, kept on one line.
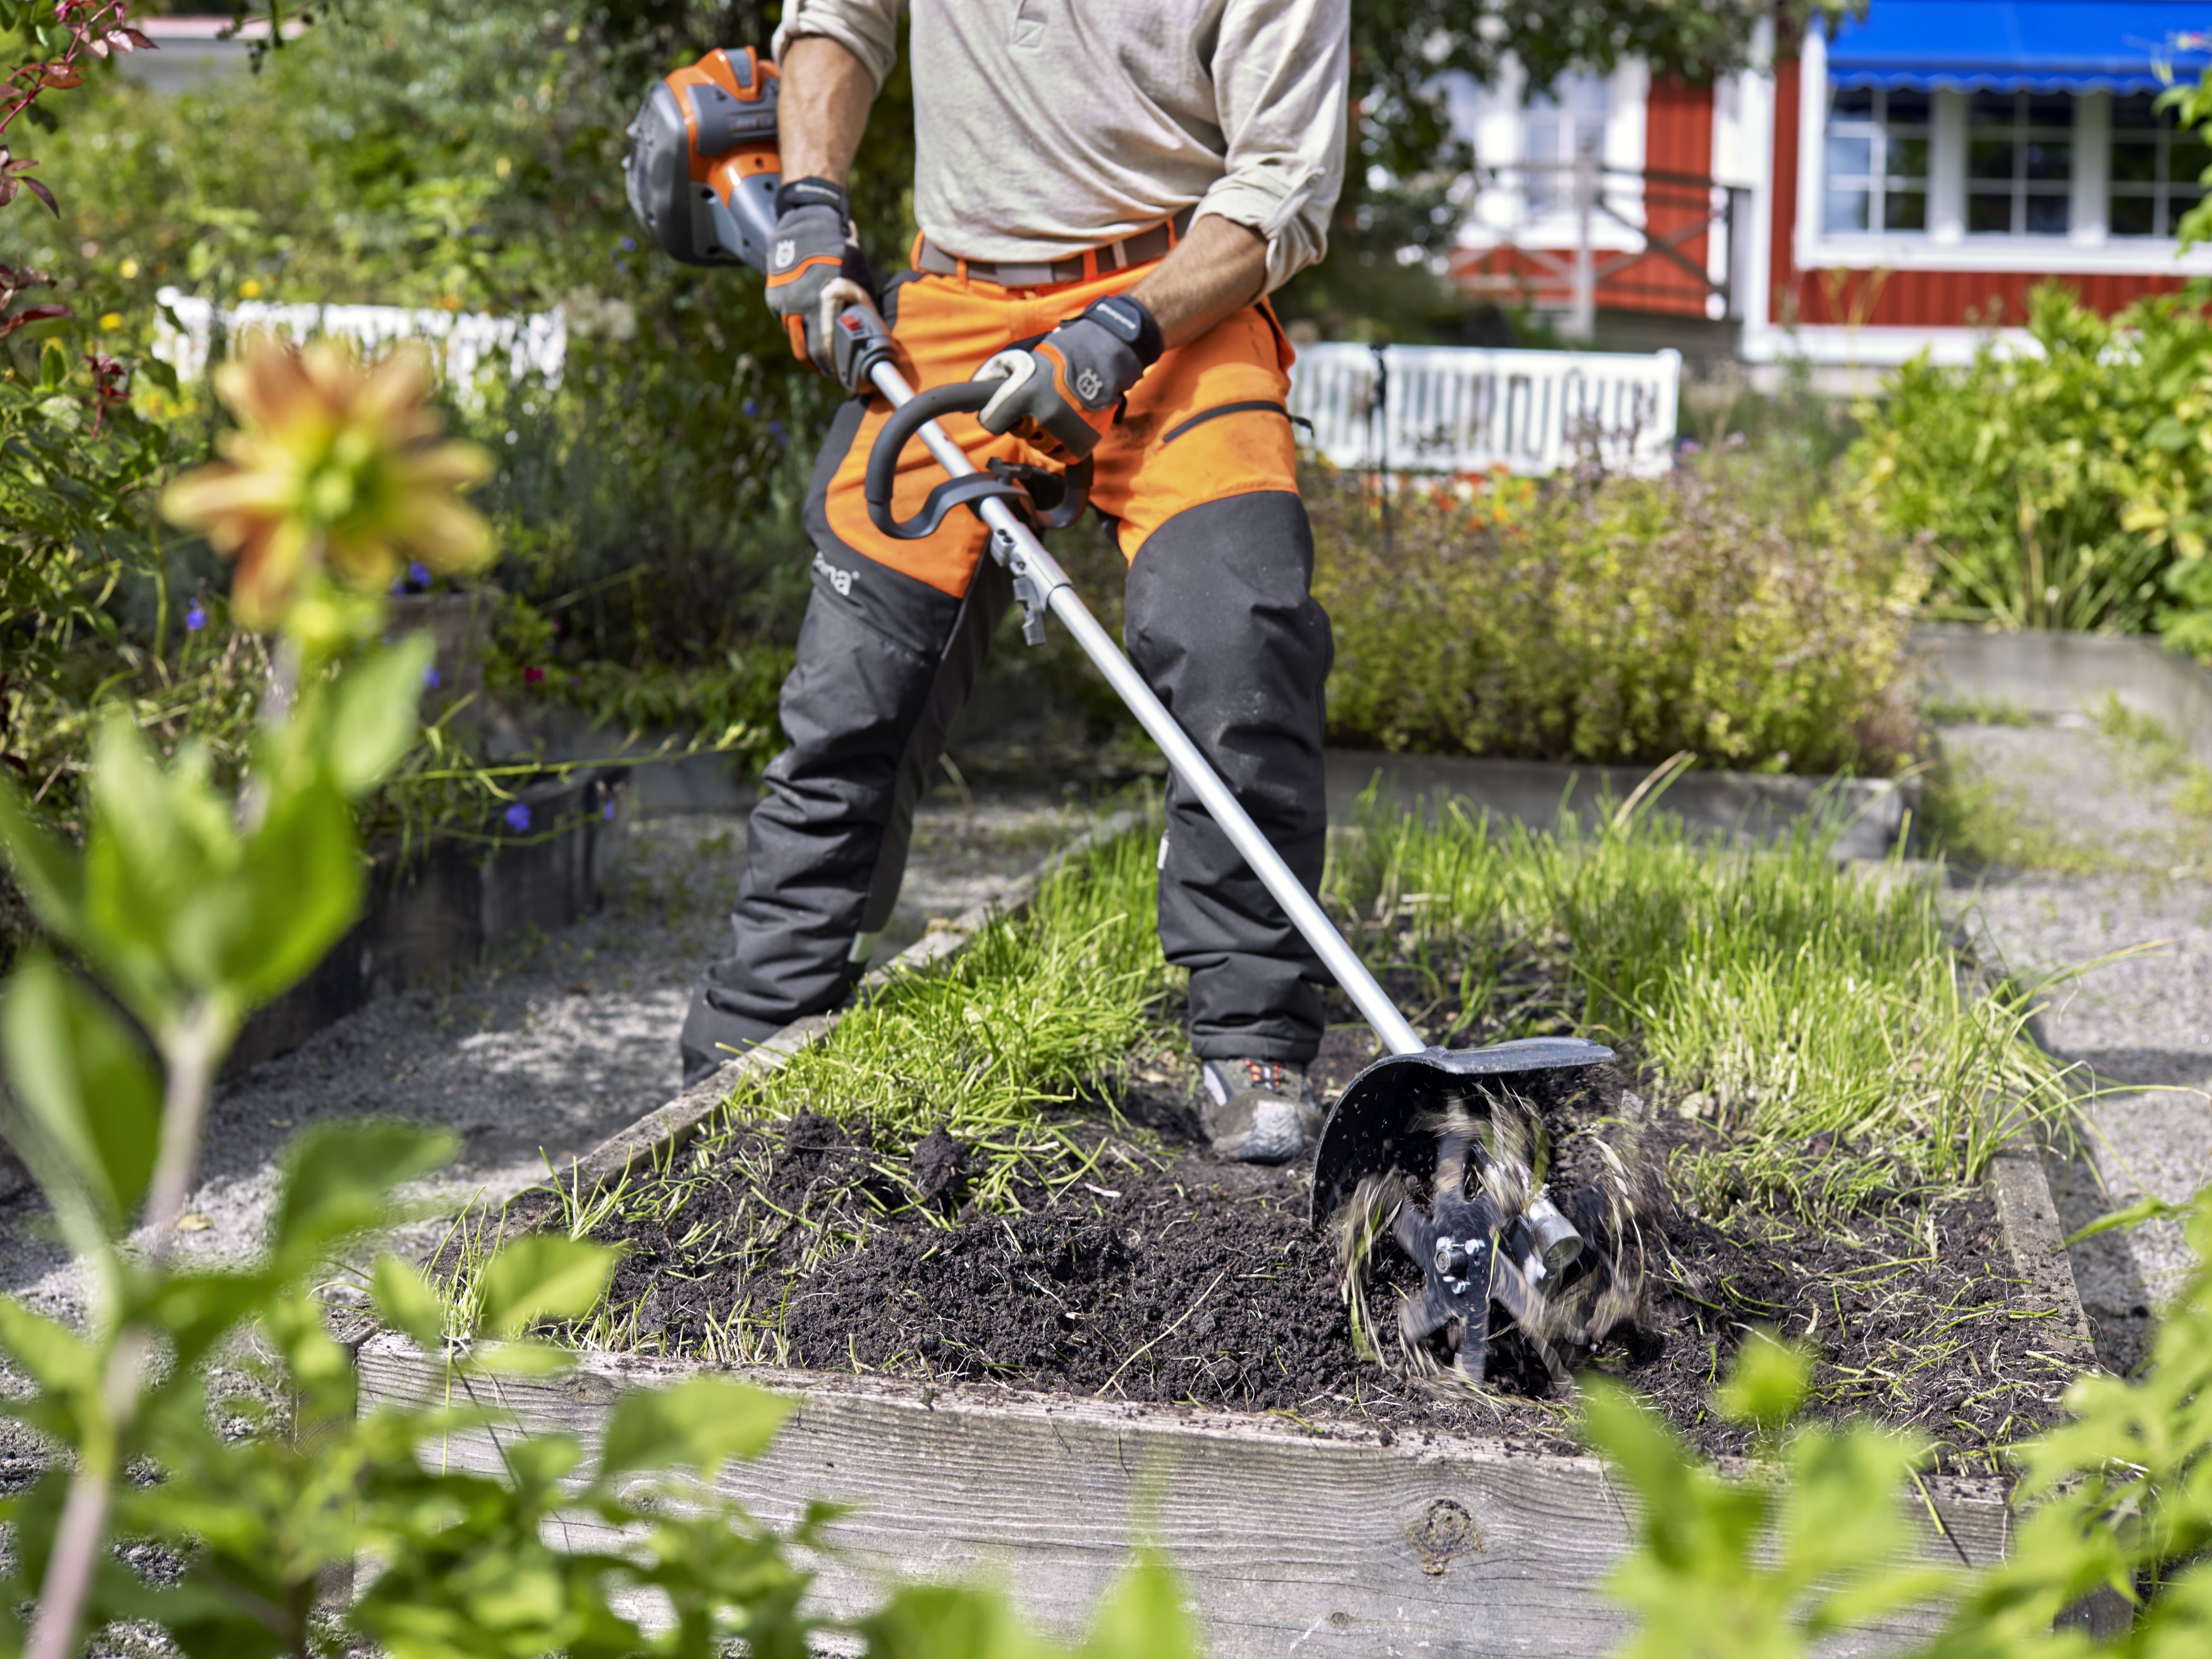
[(532, 676)]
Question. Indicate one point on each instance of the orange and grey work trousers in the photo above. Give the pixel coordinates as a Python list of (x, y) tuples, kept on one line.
[(1199, 479)]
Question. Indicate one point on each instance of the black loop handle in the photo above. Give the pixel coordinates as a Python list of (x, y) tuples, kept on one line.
[(961, 398)]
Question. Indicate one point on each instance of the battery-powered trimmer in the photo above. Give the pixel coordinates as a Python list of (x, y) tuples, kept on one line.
[(1437, 1146)]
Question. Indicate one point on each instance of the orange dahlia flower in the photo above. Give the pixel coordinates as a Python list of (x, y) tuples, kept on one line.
[(333, 467)]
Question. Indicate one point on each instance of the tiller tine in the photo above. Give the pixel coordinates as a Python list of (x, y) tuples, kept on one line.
[(1443, 1119)]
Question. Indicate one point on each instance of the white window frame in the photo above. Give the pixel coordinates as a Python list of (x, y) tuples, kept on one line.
[(2085, 249), (2163, 190), (1493, 119), (1875, 131)]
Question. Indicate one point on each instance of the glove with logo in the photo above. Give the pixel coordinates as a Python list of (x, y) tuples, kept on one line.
[(815, 244), (1066, 390)]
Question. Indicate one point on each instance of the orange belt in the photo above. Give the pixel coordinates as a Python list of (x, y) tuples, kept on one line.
[(1144, 246)]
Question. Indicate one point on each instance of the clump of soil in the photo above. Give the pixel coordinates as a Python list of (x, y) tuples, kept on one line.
[(1163, 1273)]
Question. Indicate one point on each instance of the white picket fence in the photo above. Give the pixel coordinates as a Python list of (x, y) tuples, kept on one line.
[(463, 343), (1463, 408)]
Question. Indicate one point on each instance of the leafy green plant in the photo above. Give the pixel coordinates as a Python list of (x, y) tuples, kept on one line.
[(2061, 486), (1710, 611), (187, 908), (1812, 1542)]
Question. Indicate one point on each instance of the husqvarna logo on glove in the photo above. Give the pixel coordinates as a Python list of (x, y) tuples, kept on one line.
[(1089, 383), (840, 579), (786, 251)]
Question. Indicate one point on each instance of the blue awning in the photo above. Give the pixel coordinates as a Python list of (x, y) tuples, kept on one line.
[(2023, 46)]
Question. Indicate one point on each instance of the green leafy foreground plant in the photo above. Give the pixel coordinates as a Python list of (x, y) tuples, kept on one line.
[(1815, 1543), (186, 909)]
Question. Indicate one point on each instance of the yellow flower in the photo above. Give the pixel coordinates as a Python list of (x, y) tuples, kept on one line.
[(332, 465), (110, 321), (128, 270), (250, 288)]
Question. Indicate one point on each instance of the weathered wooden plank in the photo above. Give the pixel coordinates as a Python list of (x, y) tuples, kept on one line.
[(2021, 1187), (1347, 1543)]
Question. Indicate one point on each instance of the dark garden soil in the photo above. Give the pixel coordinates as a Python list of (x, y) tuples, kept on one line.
[(1166, 1274)]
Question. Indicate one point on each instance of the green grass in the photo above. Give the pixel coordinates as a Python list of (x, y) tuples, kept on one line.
[(1975, 822), (1826, 1020), (1034, 1013), (2153, 755), (1958, 709)]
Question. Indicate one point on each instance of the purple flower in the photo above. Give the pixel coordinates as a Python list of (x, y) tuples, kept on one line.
[(608, 811), (418, 573), (195, 618), (775, 429), (430, 675), (518, 818), (750, 408), (628, 243)]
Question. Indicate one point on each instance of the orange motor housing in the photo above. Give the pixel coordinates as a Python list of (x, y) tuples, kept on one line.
[(703, 169)]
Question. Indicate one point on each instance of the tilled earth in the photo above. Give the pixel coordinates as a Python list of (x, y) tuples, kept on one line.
[(1163, 1273)]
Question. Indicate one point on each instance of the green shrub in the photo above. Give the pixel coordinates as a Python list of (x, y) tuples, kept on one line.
[(1712, 611), (469, 159), (2064, 488)]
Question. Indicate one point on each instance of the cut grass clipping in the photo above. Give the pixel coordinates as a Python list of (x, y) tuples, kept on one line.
[(1816, 1019)]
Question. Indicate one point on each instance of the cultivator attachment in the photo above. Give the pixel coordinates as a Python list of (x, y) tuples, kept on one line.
[(1445, 1154)]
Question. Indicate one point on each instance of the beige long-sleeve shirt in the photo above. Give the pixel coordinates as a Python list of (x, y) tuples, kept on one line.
[(1043, 127)]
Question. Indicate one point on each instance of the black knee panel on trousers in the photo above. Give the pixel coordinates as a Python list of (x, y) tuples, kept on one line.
[(1220, 622), (884, 664)]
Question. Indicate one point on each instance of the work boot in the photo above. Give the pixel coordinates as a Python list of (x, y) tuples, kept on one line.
[(1257, 1111)]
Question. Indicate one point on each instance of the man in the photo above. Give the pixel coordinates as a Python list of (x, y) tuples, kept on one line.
[(1107, 189)]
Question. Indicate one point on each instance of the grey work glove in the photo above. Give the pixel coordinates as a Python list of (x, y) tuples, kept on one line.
[(1066, 390), (815, 244)]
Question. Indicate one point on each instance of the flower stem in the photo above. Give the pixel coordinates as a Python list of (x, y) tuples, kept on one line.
[(191, 1048)]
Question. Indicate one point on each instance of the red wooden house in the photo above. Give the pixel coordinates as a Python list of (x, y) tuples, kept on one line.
[(1897, 187)]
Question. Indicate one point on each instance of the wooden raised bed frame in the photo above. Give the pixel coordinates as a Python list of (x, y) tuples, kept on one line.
[(1340, 1540)]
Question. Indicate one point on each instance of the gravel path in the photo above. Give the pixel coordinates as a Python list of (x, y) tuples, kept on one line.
[(2136, 882), (542, 1055)]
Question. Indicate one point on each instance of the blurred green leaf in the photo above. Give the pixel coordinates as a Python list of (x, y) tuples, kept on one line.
[(302, 887), (338, 1179), (519, 1358), (1767, 1386), (2142, 1210), (406, 1302), (373, 712), (200, 1309), (951, 1621), (1144, 1615), (543, 1277), (700, 1423), (51, 877), (48, 1353), (86, 1086)]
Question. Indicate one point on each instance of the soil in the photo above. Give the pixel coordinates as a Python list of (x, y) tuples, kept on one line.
[(1163, 1273)]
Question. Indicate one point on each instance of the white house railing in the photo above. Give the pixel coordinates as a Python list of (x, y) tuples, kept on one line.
[(1464, 409)]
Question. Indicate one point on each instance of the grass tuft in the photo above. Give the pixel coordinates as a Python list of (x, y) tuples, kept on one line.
[(1818, 1016)]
